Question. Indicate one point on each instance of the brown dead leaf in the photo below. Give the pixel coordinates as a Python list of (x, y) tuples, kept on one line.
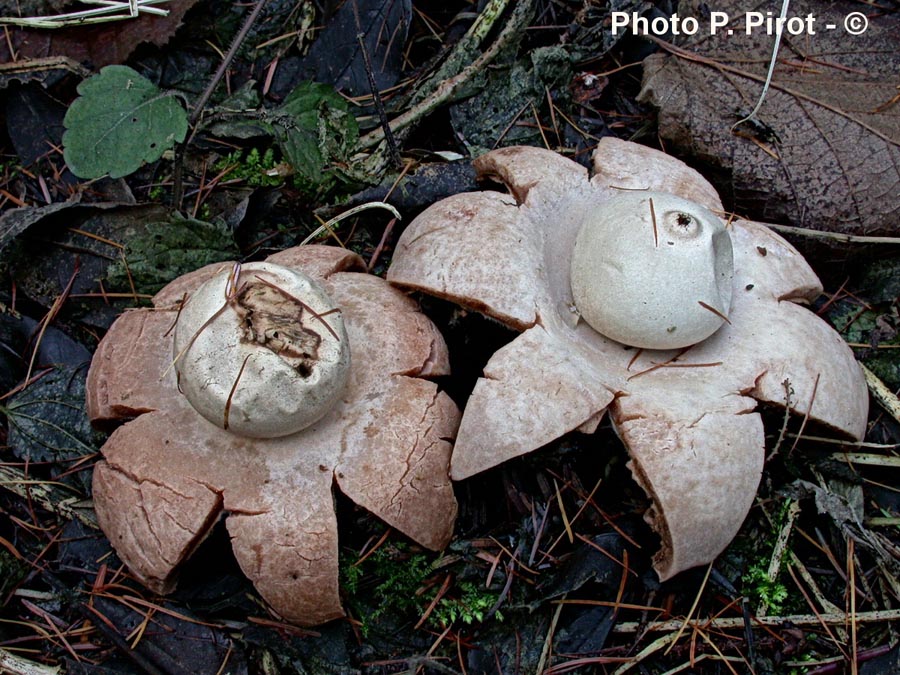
[(31, 7), (832, 159), (98, 45)]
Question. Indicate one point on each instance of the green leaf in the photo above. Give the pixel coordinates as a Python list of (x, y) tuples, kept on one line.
[(877, 323), (157, 252), (12, 571), (316, 133), (47, 422), (120, 121)]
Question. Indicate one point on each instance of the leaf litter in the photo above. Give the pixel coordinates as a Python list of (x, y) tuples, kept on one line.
[(564, 563), (828, 154)]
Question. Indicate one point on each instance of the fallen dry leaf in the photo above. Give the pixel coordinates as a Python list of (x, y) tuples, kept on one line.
[(833, 159), (98, 45)]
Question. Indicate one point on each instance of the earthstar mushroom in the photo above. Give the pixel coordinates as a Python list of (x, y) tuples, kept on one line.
[(687, 416), (168, 474)]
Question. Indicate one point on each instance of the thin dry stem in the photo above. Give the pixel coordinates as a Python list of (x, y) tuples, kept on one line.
[(880, 392), (194, 337), (49, 317), (712, 309), (234, 387), (655, 228), (110, 11), (693, 609), (347, 214), (812, 400), (725, 623)]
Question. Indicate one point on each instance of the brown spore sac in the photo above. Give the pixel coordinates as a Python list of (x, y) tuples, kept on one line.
[(274, 320)]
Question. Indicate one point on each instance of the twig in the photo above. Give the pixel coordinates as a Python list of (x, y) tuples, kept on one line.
[(111, 632), (779, 550), (809, 407), (226, 62), (347, 214), (867, 459), (381, 244), (107, 12), (448, 88), (548, 642), (650, 649), (835, 665), (434, 601), (48, 494), (51, 314), (834, 618), (12, 664), (798, 568), (687, 619), (855, 444), (851, 591), (833, 236), (393, 151), (724, 659), (45, 63), (885, 397), (178, 178), (462, 52), (562, 512), (788, 393)]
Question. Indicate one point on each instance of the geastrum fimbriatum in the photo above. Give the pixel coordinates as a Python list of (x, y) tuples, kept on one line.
[(633, 254), (289, 376)]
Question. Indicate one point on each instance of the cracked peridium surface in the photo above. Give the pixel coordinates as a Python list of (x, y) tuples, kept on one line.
[(687, 416), (169, 475), (261, 350)]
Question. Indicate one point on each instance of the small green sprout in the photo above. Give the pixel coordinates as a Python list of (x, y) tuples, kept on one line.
[(254, 168)]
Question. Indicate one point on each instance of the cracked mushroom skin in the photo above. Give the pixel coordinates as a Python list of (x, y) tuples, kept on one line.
[(282, 342), (686, 415), (168, 474)]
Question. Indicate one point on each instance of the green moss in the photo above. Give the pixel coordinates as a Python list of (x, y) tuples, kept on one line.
[(761, 590), (250, 166), (393, 584), (757, 586), (471, 606)]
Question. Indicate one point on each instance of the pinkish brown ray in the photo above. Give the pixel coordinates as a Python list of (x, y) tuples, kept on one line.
[(702, 476), (474, 245), (533, 391), (621, 165), (132, 371)]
